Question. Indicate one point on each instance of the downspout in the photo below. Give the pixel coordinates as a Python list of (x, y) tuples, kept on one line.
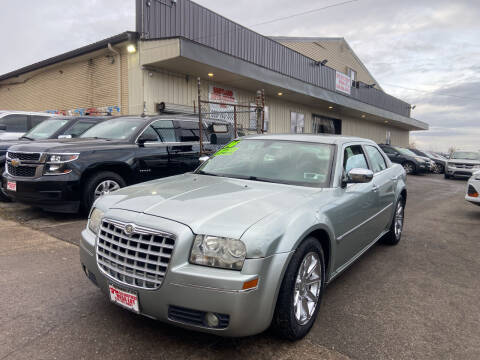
[(119, 60)]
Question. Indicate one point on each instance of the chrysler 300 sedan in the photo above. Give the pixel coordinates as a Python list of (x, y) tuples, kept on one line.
[(248, 240)]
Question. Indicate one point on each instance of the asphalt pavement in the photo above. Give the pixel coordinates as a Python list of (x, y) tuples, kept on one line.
[(417, 300)]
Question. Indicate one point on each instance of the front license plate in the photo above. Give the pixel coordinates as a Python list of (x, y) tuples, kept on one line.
[(127, 299), (11, 185)]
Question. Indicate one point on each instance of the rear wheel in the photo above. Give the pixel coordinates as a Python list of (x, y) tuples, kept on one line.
[(99, 184), (301, 291), (409, 167), (3, 195), (396, 228), (438, 169)]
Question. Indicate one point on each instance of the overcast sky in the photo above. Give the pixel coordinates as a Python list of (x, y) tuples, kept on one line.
[(426, 52)]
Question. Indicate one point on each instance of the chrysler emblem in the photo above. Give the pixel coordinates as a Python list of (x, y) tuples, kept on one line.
[(129, 229), (15, 162)]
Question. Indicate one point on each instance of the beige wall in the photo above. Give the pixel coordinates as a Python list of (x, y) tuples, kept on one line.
[(339, 55), (85, 82)]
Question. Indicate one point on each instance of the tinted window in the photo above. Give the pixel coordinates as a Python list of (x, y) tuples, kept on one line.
[(164, 129), (388, 150), (150, 135), (354, 158), (15, 123), (377, 160), (78, 128), (188, 131), (36, 119), (45, 129)]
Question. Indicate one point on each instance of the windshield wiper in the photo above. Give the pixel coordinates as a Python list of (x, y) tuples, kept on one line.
[(26, 137), (201, 172)]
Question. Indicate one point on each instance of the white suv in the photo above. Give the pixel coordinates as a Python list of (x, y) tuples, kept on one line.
[(13, 124), (462, 163), (473, 189)]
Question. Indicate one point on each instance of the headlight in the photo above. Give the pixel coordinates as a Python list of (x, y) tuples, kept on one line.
[(56, 163), (218, 252), (95, 220)]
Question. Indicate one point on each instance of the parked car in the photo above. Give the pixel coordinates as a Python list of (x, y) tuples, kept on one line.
[(473, 189), (437, 165), (411, 162), (251, 238), (52, 128), (14, 124), (462, 163), (66, 175)]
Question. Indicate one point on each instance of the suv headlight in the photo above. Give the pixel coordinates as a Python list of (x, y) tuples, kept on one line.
[(56, 163), (218, 252), (95, 220)]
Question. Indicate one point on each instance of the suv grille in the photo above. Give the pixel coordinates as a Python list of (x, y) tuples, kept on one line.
[(25, 171), (138, 259), (24, 156)]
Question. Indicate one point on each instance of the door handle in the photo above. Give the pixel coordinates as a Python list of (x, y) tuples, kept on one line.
[(375, 188)]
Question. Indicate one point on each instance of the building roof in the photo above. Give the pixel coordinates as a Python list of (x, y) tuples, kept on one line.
[(125, 36)]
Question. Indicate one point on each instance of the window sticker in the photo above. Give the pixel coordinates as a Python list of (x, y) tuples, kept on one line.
[(228, 149)]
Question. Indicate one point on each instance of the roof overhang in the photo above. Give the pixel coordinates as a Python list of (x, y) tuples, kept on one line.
[(187, 57)]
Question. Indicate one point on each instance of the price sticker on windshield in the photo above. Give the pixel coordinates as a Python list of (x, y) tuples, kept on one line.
[(228, 149)]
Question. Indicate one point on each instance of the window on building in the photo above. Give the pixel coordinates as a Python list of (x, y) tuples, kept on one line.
[(353, 74), (376, 159), (354, 158), (297, 123), (325, 125), (253, 118), (15, 123)]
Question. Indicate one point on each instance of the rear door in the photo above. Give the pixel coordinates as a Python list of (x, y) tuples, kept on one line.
[(383, 187)]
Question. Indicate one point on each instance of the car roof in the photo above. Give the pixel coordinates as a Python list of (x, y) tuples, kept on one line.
[(15, 112), (318, 138)]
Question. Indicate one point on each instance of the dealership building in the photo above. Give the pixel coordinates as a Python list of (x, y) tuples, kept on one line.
[(311, 84)]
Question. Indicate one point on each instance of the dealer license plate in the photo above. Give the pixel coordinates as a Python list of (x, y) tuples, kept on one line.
[(127, 299), (11, 185)]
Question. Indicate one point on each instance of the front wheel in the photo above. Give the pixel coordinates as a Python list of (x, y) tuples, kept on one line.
[(438, 169), (99, 184), (396, 228), (409, 167), (301, 291)]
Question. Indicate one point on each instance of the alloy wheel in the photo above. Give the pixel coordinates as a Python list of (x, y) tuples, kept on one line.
[(106, 187), (399, 215), (408, 168), (308, 285)]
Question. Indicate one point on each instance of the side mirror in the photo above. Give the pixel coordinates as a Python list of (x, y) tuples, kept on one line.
[(144, 139), (202, 159), (358, 176), (64, 136), (3, 127)]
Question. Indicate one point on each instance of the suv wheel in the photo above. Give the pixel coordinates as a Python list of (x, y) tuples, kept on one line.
[(3, 195), (396, 228), (301, 291), (409, 167), (99, 184)]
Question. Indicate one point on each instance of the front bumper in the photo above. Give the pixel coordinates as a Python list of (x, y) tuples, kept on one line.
[(52, 193), (461, 172), (198, 288)]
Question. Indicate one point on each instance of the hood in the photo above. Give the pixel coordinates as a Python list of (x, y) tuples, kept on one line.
[(464, 161), (5, 144), (67, 145), (208, 204)]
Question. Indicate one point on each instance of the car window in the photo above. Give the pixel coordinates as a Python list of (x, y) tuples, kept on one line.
[(354, 158), (45, 129), (188, 131), (164, 129), (150, 135), (78, 128), (37, 119), (387, 150), (15, 123), (377, 160), (115, 129)]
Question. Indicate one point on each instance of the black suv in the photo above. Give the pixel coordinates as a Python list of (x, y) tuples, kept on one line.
[(66, 175), (66, 127), (412, 163)]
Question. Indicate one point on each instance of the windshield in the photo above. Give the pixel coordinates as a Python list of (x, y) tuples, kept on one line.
[(45, 129), (114, 129), (466, 155), (286, 162), (405, 151)]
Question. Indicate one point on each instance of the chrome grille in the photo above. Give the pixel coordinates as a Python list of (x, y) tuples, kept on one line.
[(23, 171), (463, 166), (139, 258), (24, 156)]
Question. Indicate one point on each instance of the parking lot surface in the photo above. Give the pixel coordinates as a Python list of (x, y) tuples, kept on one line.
[(418, 300)]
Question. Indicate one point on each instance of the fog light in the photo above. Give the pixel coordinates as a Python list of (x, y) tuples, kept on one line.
[(212, 320)]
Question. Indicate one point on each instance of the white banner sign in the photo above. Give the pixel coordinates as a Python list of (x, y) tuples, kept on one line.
[(343, 83), (225, 96)]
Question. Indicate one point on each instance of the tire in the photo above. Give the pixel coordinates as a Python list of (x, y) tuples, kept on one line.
[(409, 167), (396, 228), (91, 187), (288, 322), (3, 195), (438, 169)]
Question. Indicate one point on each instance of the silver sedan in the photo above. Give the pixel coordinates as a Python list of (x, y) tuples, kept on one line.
[(251, 238)]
